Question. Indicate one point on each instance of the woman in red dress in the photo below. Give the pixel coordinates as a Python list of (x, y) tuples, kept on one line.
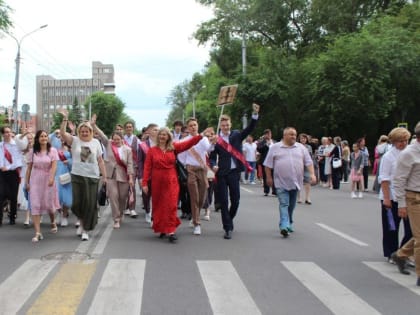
[(160, 165)]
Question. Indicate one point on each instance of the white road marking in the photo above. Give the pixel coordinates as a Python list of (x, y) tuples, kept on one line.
[(247, 190), (103, 241), (16, 289), (343, 235), (332, 293), (121, 288), (226, 292), (106, 219), (391, 272)]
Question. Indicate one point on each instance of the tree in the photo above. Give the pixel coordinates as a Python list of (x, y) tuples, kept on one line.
[(108, 109), (5, 21)]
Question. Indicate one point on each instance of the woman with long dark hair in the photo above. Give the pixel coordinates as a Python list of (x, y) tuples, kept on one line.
[(40, 182)]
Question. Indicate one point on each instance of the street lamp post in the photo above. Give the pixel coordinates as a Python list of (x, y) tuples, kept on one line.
[(15, 100)]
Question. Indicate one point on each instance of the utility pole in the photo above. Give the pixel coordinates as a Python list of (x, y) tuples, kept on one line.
[(16, 87)]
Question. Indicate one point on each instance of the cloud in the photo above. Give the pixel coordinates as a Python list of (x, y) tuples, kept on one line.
[(148, 42)]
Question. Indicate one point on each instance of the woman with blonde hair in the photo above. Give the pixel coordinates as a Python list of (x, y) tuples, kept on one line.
[(160, 164), (86, 152), (399, 138)]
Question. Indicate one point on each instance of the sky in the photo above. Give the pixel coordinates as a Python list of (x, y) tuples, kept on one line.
[(149, 42)]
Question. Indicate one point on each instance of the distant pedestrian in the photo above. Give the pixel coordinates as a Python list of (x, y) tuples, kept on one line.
[(356, 173), (250, 152), (287, 159), (263, 145)]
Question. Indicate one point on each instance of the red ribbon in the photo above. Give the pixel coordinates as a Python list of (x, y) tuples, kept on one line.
[(235, 153), (7, 155)]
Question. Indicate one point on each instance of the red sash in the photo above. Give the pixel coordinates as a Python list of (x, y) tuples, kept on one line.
[(118, 158), (61, 155), (7, 155), (144, 147), (235, 153)]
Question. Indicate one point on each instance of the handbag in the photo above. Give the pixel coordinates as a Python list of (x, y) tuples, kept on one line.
[(336, 163), (181, 171), (65, 178), (102, 198)]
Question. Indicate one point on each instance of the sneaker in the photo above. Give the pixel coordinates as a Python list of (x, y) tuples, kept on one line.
[(252, 183), (64, 221), (127, 212), (360, 195), (116, 225), (191, 224), (197, 230), (390, 261), (284, 232), (148, 217), (353, 195), (85, 236), (133, 214), (207, 215), (290, 229), (77, 224), (79, 231)]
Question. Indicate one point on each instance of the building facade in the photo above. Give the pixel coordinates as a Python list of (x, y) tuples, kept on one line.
[(52, 94)]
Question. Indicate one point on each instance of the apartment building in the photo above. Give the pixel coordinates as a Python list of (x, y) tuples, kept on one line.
[(52, 93)]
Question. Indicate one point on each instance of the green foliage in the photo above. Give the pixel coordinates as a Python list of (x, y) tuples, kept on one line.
[(108, 109), (5, 21), (323, 66)]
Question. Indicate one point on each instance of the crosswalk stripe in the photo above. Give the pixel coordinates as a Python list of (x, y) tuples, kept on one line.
[(68, 287), (391, 272), (121, 288), (225, 289), (332, 293), (343, 235), (17, 288)]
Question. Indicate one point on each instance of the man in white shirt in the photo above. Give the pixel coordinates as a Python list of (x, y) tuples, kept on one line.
[(195, 161), (10, 166), (250, 151)]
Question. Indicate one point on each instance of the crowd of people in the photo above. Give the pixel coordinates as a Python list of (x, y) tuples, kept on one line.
[(62, 171)]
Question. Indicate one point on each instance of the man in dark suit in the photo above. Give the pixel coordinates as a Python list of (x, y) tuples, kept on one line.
[(226, 162)]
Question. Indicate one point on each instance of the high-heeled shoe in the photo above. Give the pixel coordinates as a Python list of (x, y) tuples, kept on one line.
[(54, 228), (37, 238)]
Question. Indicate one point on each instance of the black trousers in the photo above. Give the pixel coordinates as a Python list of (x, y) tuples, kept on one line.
[(390, 238), (266, 187), (336, 177), (228, 189), (9, 186)]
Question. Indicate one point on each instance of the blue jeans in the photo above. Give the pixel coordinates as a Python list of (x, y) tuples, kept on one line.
[(251, 175), (287, 203)]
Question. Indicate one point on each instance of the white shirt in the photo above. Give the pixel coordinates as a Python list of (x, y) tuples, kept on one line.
[(387, 171), (15, 152), (85, 157), (250, 151), (202, 147)]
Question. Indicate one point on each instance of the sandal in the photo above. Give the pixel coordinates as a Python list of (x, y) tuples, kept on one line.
[(37, 238), (54, 228)]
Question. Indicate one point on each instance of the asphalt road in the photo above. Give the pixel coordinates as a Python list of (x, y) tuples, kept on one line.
[(331, 264)]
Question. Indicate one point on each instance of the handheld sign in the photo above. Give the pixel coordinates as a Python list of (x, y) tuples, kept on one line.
[(227, 95)]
